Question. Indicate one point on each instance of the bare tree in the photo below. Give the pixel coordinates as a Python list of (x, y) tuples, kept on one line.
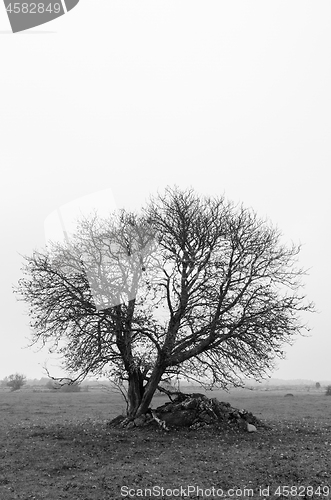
[(194, 287), (15, 381)]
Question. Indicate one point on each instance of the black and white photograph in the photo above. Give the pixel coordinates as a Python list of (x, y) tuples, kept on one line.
[(165, 241)]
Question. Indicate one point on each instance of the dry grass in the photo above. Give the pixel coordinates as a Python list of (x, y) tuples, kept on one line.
[(58, 446)]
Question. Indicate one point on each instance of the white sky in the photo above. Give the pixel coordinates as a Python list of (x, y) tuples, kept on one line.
[(226, 97)]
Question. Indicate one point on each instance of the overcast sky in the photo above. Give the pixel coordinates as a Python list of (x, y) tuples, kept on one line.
[(226, 97)]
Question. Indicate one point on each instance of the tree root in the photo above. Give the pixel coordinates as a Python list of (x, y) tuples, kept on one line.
[(160, 422)]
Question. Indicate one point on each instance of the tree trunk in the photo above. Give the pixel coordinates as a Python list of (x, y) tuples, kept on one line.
[(149, 391), (135, 392), (140, 397)]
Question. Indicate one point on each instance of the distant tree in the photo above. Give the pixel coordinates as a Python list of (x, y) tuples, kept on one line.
[(42, 381), (53, 385), (16, 381), (328, 390), (75, 387), (318, 385), (192, 287)]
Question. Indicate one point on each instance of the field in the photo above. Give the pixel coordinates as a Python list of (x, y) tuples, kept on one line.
[(57, 446)]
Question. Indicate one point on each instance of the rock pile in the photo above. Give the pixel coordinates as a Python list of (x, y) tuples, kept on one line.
[(194, 411)]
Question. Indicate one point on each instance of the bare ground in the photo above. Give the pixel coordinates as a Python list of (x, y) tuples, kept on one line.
[(58, 446)]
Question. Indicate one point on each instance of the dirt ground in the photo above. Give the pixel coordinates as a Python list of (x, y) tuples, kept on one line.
[(58, 446)]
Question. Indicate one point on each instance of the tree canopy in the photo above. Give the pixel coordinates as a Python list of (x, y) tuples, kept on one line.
[(193, 286)]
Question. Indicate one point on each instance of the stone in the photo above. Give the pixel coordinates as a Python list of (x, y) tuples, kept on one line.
[(190, 404), (168, 407), (198, 395), (242, 424), (206, 417), (140, 421), (181, 418), (194, 411)]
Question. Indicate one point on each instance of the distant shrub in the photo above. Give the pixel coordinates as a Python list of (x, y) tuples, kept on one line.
[(328, 390), (51, 385), (318, 385), (15, 381)]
